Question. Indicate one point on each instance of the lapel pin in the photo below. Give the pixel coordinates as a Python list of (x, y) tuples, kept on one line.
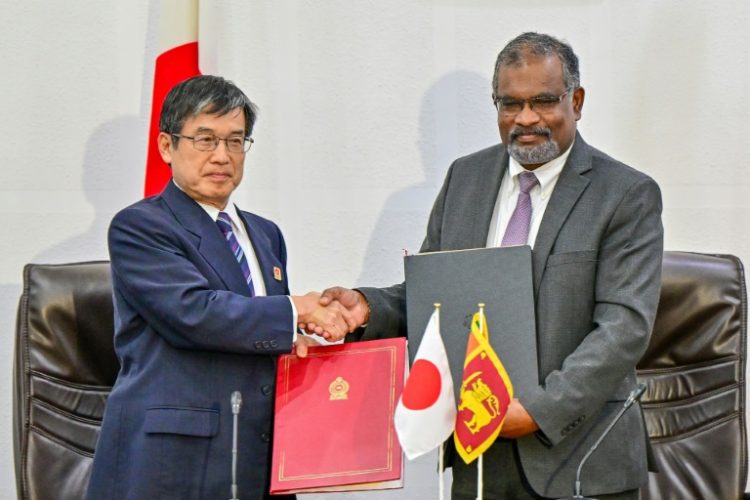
[(277, 273)]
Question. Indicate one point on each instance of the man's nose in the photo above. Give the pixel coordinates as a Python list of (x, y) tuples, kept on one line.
[(221, 153), (527, 116)]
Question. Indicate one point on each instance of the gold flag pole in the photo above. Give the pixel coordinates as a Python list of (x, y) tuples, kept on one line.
[(481, 317), (480, 463)]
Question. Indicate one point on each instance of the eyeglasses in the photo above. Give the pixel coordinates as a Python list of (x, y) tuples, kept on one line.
[(208, 142), (510, 106)]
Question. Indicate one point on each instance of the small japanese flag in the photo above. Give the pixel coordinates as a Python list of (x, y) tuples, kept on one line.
[(426, 413)]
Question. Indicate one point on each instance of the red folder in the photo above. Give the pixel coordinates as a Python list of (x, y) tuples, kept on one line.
[(333, 429)]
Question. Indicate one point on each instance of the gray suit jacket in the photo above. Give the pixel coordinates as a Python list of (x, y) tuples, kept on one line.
[(597, 272)]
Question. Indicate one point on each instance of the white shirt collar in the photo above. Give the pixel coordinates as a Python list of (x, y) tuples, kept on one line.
[(213, 212)]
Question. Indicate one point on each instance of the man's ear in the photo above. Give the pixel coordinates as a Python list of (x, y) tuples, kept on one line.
[(578, 96), (164, 142)]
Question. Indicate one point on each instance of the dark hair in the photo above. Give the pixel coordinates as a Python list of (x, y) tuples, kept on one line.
[(204, 94), (538, 44)]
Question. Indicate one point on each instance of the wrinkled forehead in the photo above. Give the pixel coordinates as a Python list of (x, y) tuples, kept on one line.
[(530, 76), (229, 122)]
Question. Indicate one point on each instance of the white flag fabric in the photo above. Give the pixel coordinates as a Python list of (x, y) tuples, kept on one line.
[(426, 412)]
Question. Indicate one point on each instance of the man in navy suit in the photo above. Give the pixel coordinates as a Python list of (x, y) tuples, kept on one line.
[(202, 308)]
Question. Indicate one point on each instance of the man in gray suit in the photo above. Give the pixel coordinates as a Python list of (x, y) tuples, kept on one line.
[(595, 228)]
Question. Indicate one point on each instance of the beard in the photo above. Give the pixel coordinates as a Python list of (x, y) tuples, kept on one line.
[(533, 155)]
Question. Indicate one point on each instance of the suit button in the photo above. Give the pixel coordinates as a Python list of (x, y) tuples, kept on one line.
[(266, 344), (266, 389), (265, 437), (274, 343), (258, 344)]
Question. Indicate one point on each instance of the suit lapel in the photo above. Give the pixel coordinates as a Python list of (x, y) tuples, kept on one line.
[(211, 245), (568, 189)]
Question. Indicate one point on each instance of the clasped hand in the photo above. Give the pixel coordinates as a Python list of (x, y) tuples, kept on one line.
[(332, 314)]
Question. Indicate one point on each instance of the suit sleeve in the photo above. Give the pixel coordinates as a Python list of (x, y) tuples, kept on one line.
[(626, 293), (156, 272)]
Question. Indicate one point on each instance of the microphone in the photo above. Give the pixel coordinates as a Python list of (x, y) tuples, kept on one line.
[(236, 404), (635, 395)]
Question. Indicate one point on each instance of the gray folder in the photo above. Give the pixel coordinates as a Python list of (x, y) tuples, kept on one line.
[(500, 278)]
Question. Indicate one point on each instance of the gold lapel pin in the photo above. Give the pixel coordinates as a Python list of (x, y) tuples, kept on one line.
[(277, 273)]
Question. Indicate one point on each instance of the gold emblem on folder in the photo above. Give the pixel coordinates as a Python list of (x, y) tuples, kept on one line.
[(338, 389)]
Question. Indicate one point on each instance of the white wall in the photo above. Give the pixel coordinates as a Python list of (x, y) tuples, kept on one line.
[(363, 106)]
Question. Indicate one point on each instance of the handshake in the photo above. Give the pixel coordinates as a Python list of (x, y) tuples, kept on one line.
[(333, 313)]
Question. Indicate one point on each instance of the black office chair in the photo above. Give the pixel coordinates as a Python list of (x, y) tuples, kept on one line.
[(64, 368), (694, 369)]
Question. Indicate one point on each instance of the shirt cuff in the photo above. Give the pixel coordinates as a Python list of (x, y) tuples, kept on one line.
[(294, 320)]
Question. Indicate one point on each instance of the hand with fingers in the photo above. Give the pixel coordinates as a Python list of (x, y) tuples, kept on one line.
[(330, 319), (302, 343), (352, 301)]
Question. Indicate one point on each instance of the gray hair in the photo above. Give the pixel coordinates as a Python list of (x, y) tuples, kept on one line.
[(538, 44), (204, 94)]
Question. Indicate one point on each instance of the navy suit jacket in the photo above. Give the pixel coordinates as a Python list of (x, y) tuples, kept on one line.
[(187, 334)]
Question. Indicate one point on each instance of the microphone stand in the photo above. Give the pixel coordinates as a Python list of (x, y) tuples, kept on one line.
[(236, 403), (634, 396)]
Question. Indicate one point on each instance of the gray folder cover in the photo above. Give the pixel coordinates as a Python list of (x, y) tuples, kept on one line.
[(500, 278)]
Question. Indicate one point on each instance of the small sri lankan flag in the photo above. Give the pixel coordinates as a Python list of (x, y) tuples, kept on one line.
[(486, 392)]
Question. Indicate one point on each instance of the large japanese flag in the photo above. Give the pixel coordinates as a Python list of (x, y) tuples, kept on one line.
[(426, 413), (177, 61)]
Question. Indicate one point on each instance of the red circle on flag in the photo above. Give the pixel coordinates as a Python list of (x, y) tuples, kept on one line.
[(423, 387)]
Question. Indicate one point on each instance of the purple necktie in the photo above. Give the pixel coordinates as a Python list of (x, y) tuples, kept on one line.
[(517, 232), (225, 224)]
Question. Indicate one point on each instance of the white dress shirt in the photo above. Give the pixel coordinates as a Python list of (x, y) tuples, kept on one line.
[(507, 197)]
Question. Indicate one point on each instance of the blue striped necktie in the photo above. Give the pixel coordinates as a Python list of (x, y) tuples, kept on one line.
[(225, 224)]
